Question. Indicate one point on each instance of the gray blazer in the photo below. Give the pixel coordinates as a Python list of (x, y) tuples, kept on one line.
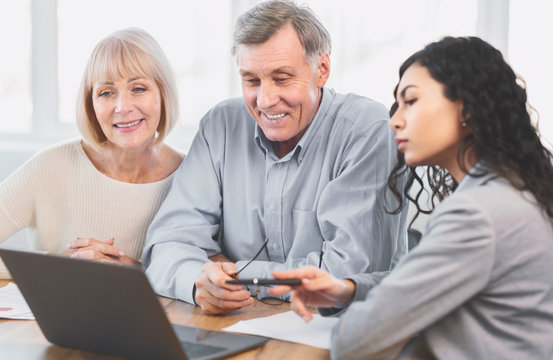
[(478, 286)]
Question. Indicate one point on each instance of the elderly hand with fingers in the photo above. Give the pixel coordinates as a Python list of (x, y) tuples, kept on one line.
[(93, 249), (214, 295), (318, 288)]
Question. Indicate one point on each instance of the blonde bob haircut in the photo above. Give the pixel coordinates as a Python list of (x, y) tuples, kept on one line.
[(126, 53)]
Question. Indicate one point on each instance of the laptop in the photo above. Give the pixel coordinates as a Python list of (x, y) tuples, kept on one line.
[(110, 309)]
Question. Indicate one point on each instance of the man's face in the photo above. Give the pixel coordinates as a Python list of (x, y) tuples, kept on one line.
[(280, 88)]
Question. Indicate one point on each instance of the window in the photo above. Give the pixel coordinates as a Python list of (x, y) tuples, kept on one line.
[(371, 38), (530, 30), (15, 76), (50, 41)]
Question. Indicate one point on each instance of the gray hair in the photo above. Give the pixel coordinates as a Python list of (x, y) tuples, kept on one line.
[(261, 22)]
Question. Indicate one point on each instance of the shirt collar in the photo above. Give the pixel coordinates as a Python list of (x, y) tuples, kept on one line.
[(265, 145), (478, 175)]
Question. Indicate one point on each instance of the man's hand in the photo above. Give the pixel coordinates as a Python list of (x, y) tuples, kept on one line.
[(219, 258), (89, 248), (214, 295), (318, 288)]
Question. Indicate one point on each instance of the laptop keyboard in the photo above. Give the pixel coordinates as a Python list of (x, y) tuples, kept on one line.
[(195, 350)]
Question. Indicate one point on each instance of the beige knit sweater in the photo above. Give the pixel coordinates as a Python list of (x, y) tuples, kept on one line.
[(58, 195)]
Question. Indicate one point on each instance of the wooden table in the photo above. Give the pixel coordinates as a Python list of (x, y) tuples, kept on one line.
[(22, 339)]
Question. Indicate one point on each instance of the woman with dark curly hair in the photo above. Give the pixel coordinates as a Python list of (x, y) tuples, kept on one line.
[(479, 285)]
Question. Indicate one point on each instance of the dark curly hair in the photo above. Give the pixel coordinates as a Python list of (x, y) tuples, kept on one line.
[(502, 136)]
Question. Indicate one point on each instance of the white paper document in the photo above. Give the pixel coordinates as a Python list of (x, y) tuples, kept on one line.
[(13, 305), (289, 326)]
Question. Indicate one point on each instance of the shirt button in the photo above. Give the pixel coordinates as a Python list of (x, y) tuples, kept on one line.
[(279, 164), (272, 207), (275, 246)]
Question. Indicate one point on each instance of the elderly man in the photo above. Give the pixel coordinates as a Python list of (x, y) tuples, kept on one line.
[(292, 170)]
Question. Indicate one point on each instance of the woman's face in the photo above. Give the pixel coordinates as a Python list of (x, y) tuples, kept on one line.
[(128, 110), (427, 124)]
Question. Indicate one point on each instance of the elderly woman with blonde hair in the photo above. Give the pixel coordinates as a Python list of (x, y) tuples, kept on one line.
[(95, 197)]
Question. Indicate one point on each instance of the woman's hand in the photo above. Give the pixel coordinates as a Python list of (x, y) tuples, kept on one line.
[(318, 288), (93, 249)]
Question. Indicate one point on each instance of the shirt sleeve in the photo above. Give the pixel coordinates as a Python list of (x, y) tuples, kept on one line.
[(364, 282), (181, 238), (452, 263), (359, 235)]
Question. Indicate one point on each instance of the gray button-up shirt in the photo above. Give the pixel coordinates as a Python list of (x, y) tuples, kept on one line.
[(323, 203)]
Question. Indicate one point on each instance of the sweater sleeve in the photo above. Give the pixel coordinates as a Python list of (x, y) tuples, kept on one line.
[(17, 199)]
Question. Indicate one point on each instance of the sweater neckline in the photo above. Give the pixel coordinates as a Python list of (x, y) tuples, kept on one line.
[(80, 150)]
